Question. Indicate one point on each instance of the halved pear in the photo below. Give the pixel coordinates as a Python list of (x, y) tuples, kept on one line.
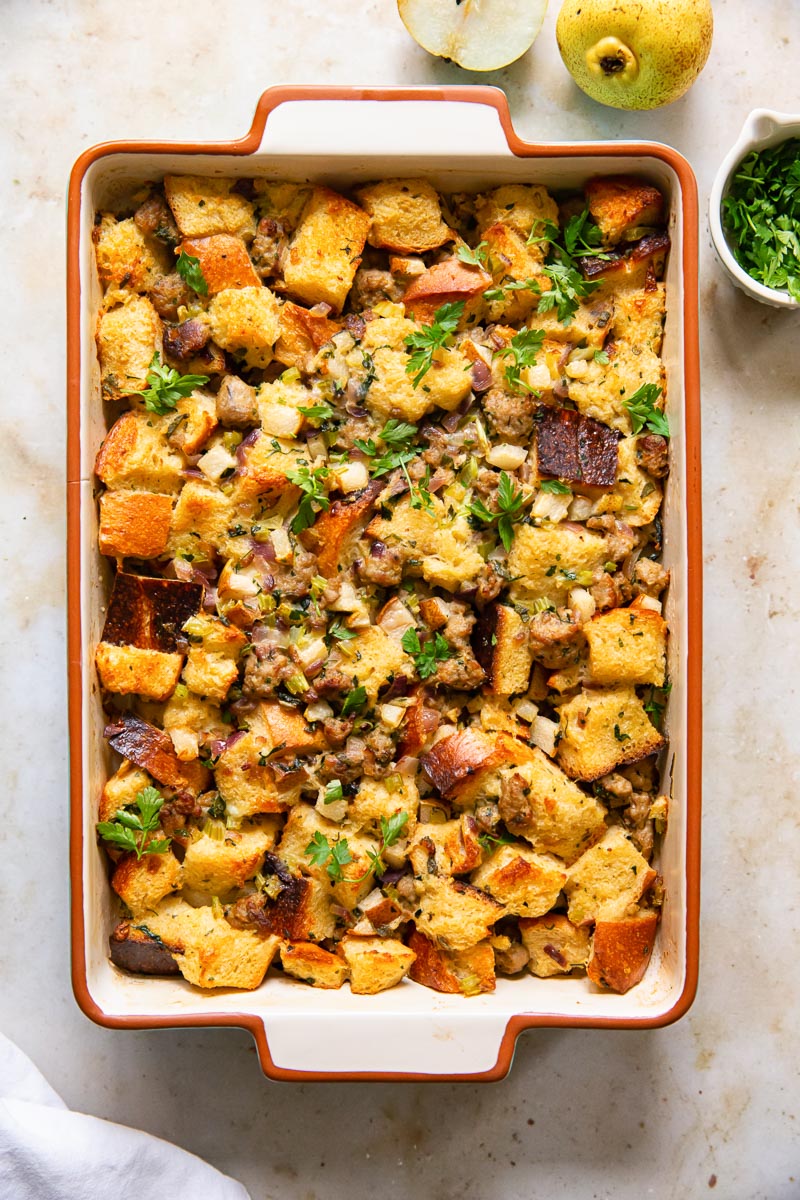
[(479, 35)]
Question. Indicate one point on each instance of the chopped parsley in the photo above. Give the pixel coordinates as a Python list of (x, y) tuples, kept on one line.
[(476, 257), (167, 386), (510, 505), (761, 214), (131, 831), (644, 414), (312, 484), (354, 700), (555, 486), (522, 349), (427, 655), (190, 271), (424, 342)]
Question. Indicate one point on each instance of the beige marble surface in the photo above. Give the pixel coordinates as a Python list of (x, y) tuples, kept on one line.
[(709, 1103)]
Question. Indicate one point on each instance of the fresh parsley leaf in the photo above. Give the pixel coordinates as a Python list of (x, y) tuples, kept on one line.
[(131, 831), (601, 356), (522, 349), (510, 504), (642, 410), (424, 342), (330, 855), (567, 288), (311, 482), (339, 633), (397, 433), (167, 386), (427, 654), (190, 271), (621, 737), (543, 230), (582, 236), (333, 791), (512, 285), (392, 828), (354, 700), (476, 257), (567, 284), (316, 412), (487, 840), (555, 486)]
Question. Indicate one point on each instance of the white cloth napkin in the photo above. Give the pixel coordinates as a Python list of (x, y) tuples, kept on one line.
[(50, 1153)]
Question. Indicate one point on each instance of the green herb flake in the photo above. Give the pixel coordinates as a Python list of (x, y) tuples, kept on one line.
[(167, 386), (190, 271)]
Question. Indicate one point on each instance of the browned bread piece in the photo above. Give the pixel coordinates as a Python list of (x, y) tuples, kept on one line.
[(125, 258), (607, 882), (302, 335), (152, 750), (334, 533), (627, 645), (144, 883), (127, 338), (203, 206), (248, 783), (121, 790), (325, 251), (554, 944), (406, 215), (468, 972), (136, 455), (245, 321), (468, 763), (503, 649), (622, 206), (129, 671), (455, 915), (209, 952), (134, 948), (451, 847), (527, 884), (150, 613), (621, 951), (216, 863), (312, 964), (213, 661), (539, 802), (224, 261), (603, 728), (548, 562), (375, 963), (134, 524), (445, 283), (302, 824)]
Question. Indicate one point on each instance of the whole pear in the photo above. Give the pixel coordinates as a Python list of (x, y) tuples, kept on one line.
[(635, 53)]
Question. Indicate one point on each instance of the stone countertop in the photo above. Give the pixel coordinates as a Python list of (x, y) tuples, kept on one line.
[(709, 1103)]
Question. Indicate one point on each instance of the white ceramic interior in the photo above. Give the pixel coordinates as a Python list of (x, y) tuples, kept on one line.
[(408, 1029), (762, 129)]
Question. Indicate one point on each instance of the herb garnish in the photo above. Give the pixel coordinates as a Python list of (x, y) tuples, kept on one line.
[(510, 504), (427, 655), (555, 486), (333, 791), (641, 407), (131, 831), (761, 213), (354, 700), (333, 855), (424, 342), (167, 386), (312, 483), (522, 349), (316, 412), (190, 271), (476, 257)]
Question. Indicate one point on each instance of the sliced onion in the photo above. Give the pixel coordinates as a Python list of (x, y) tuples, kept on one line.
[(649, 602), (507, 456), (582, 602), (543, 735)]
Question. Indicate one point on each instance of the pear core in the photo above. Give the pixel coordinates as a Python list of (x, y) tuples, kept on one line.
[(611, 58)]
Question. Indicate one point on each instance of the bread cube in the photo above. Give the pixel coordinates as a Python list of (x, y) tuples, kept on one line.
[(454, 561), (312, 964), (449, 847), (373, 661), (627, 645), (446, 282), (198, 420), (550, 561), (455, 915), (503, 649), (280, 200), (201, 520), (135, 949), (218, 865), (263, 469), (589, 326), (466, 766), (203, 206), (286, 730), (245, 322), (302, 824), (209, 952), (151, 749), (623, 207), (302, 910), (302, 336), (527, 884), (602, 729), (127, 338), (386, 797), (129, 671), (469, 972), (554, 944), (636, 497), (607, 882), (121, 790), (325, 251), (392, 393), (411, 528), (639, 317), (406, 216), (134, 524), (511, 259), (143, 884), (149, 612), (124, 258), (600, 390), (334, 534), (192, 722), (224, 261), (621, 951), (136, 456), (520, 205), (248, 785), (542, 804), (213, 661), (375, 963)]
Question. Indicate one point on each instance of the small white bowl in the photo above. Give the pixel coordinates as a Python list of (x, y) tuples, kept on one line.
[(761, 130)]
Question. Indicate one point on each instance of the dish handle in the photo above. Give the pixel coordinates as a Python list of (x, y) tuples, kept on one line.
[(404, 120)]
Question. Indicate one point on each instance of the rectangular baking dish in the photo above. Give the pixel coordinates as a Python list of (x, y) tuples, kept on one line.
[(461, 138)]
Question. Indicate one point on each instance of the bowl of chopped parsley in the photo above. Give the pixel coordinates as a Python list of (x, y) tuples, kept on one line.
[(754, 210)]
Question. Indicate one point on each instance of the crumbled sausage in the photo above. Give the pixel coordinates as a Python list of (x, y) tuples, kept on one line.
[(652, 453), (168, 293), (510, 415), (236, 403)]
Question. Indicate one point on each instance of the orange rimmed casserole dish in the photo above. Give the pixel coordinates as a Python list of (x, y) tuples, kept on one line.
[(462, 139)]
